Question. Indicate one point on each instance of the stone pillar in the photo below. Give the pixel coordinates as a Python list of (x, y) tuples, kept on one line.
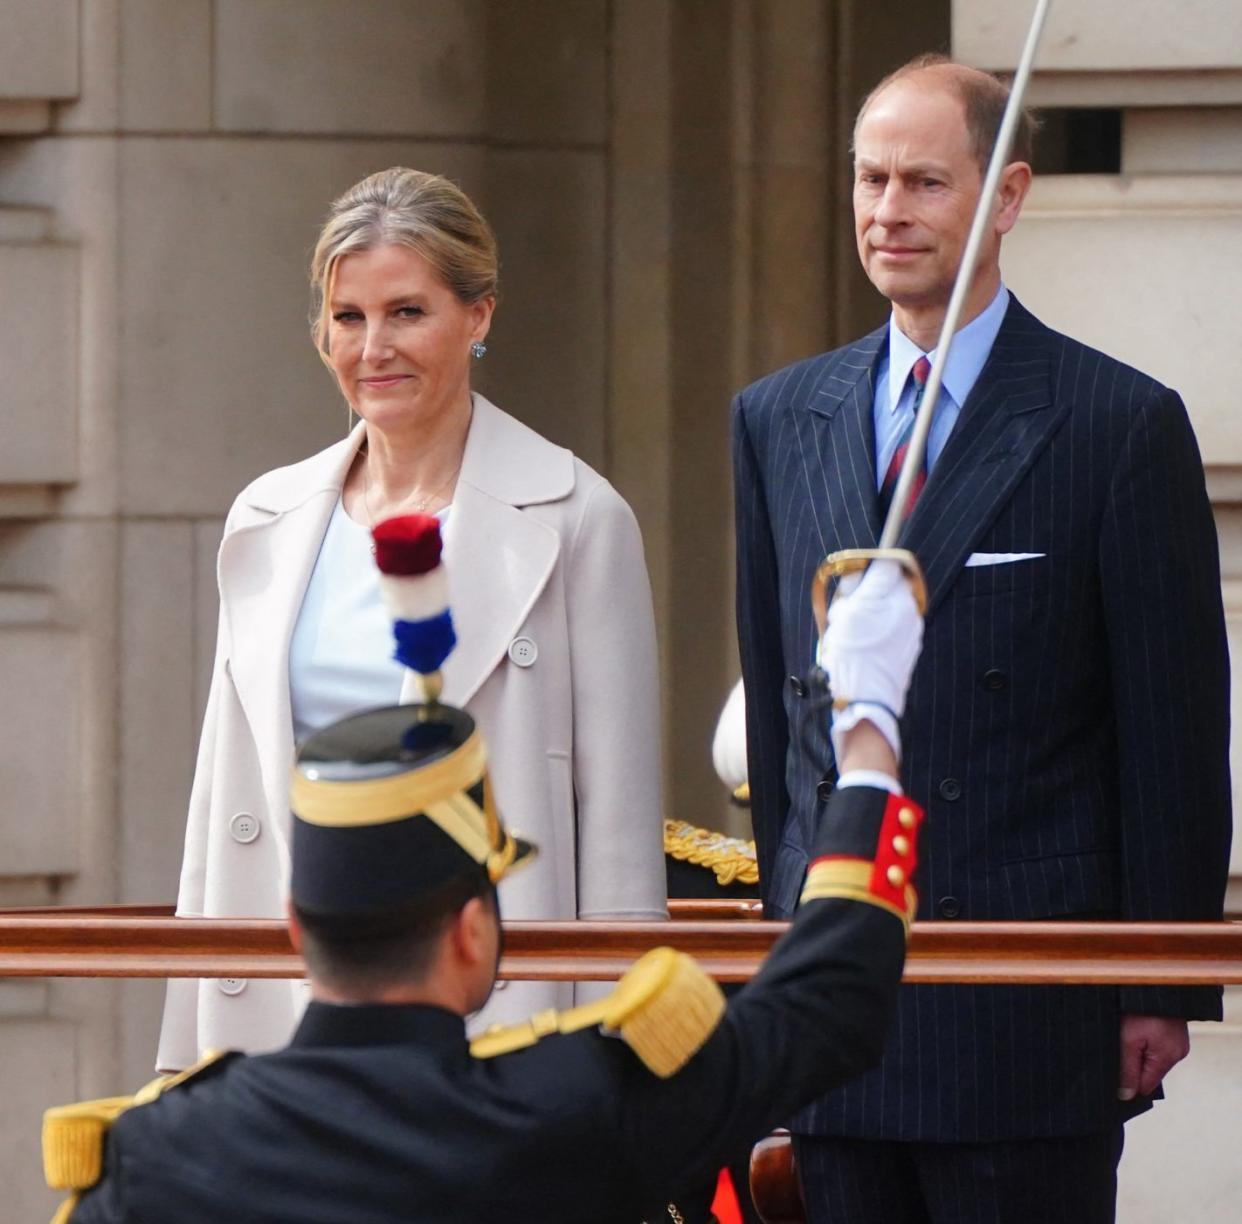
[(1145, 265)]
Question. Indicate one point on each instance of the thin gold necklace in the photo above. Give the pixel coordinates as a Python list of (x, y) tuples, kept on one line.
[(420, 505)]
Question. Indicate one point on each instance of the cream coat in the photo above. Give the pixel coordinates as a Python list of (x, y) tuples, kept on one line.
[(556, 661)]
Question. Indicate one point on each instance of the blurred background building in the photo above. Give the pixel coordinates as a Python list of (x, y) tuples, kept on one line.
[(669, 180)]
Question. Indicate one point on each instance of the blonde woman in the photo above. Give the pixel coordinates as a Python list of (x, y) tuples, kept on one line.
[(556, 657)]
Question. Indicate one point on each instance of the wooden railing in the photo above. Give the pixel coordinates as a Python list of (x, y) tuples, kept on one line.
[(128, 942), (147, 941)]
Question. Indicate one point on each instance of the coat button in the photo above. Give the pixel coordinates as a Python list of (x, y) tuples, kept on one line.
[(523, 651), (799, 689), (994, 680), (244, 828), (950, 789), (949, 907), (231, 986), (823, 790)]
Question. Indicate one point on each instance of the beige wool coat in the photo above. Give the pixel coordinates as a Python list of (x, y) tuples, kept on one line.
[(556, 661)]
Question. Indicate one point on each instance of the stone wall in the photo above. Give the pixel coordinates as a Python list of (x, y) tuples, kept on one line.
[(1145, 265)]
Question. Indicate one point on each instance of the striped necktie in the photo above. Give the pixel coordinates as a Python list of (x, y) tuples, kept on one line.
[(888, 486)]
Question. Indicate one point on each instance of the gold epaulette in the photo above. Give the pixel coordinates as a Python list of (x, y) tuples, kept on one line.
[(73, 1135), (664, 1008), (732, 859)]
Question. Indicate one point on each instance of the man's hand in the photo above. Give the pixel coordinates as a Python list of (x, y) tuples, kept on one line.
[(1151, 1046), (869, 649)]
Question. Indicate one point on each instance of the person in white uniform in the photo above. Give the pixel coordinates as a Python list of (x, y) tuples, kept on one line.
[(556, 658)]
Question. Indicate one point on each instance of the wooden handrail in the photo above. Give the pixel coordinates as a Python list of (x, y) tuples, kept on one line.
[(95, 944), (681, 908)]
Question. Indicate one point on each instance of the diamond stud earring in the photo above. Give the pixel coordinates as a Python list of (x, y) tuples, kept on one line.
[(478, 348)]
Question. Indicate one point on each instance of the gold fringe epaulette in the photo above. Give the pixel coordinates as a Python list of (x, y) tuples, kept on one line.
[(732, 859), (73, 1135), (664, 1008)]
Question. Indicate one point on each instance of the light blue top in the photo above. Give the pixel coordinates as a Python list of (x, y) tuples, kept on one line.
[(340, 655), (894, 388)]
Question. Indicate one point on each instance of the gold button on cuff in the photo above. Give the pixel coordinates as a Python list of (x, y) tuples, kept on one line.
[(896, 877), (905, 818), (901, 845)]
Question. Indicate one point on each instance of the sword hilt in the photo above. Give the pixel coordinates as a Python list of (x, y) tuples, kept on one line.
[(847, 561)]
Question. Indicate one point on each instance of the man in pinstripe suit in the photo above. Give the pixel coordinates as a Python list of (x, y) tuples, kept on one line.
[(1067, 728)]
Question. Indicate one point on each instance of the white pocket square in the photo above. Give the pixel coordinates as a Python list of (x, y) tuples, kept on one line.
[(1000, 558)]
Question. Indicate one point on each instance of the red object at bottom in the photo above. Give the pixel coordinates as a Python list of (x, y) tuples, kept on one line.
[(725, 1206)]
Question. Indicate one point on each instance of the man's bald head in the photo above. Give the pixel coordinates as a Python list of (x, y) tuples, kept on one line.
[(983, 100)]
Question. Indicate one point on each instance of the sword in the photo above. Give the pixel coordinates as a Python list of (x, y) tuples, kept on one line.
[(852, 560)]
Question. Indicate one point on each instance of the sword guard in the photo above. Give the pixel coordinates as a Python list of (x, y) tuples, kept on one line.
[(847, 561)]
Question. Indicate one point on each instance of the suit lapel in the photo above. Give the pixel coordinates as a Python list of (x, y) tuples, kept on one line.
[(837, 441), (1008, 418)]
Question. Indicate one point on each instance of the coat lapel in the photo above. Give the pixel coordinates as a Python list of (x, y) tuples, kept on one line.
[(1007, 419), (838, 449), (499, 560), (499, 557), (264, 567)]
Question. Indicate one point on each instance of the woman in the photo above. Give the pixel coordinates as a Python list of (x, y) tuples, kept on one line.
[(556, 657)]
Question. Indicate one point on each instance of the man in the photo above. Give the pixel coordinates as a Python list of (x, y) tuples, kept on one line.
[(380, 1110), (1067, 726)]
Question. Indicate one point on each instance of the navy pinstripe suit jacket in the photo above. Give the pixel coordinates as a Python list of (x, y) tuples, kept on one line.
[(1067, 728)]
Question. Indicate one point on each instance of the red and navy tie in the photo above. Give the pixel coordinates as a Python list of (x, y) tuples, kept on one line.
[(888, 486)]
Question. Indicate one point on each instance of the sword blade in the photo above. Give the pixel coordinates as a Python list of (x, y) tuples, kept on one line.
[(984, 213)]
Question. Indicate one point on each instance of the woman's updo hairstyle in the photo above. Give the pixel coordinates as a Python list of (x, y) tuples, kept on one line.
[(404, 207)]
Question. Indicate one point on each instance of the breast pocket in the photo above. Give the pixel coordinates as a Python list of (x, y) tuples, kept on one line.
[(990, 574)]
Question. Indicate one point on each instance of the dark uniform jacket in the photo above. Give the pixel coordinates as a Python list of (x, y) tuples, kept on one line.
[(1067, 726), (382, 1113)]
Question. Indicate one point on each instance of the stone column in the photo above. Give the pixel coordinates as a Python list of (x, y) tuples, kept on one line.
[(1146, 265)]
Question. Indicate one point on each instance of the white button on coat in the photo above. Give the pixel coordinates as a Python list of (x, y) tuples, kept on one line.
[(231, 986), (523, 651), (245, 827)]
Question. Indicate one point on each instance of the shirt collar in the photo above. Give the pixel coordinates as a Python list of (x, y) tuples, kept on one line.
[(369, 1024), (969, 352)]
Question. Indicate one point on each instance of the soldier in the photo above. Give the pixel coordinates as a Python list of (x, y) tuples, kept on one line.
[(380, 1108)]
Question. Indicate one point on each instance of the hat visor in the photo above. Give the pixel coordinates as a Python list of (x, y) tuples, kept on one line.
[(523, 856)]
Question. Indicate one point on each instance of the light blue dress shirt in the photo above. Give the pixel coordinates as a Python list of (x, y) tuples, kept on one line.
[(341, 652), (893, 406)]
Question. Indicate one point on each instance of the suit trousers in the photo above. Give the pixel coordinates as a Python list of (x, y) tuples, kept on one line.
[(1071, 1180)]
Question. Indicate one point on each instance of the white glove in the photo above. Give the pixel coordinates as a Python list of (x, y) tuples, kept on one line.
[(729, 744), (869, 649)]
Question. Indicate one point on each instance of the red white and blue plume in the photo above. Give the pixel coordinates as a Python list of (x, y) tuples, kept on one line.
[(414, 587)]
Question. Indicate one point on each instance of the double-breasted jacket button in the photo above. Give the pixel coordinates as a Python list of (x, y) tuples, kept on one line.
[(797, 687), (523, 651), (950, 789), (823, 789), (231, 986), (994, 680), (948, 907), (244, 827)]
